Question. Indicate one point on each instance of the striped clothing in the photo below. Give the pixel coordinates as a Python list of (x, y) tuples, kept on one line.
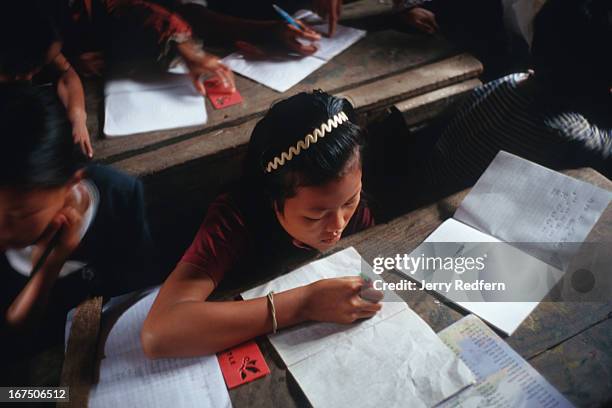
[(503, 115)]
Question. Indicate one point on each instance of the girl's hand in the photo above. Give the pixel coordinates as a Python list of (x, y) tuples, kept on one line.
[(68, 223), (299, 41), (338, 301), (80, 136), (421, 19), (201, 63)]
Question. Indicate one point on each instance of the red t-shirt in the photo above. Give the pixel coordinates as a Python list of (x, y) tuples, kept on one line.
[(223, 237)]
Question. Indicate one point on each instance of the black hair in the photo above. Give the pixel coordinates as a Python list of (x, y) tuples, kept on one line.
[(26, 35), (288, 122), (36, 147), (572, 48)]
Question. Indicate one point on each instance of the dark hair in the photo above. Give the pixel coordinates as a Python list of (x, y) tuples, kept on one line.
[(36, 147), (26, 35), (572, 48), (288, 122)]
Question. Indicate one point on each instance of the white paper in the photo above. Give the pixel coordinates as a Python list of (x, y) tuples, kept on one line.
[(150, 103), (521, 202), (128, 378), (505, 379), (281, 73), (525, 277), (387, 360)]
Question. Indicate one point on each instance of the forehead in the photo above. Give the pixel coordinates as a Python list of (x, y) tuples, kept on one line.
[(331, 194)]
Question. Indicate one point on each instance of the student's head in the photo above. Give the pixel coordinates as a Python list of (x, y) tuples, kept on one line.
[(572, 47), (314, 193), (38, 162), (28, 41)]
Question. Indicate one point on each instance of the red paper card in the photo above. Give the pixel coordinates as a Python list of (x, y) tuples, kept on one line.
[(242, 364), (217, 96)]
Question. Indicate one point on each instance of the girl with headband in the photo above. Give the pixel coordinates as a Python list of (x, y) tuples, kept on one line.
[(300, 193)]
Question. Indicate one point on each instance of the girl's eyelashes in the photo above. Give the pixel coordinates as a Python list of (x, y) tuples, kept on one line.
[(311, 219)]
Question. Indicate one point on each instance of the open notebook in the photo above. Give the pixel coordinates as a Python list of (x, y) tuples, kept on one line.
[(151, 102), (127, 378), (281, 73), (389, 360), (504, 378), (526, 222)]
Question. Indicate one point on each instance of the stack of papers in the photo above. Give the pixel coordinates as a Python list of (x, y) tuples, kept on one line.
[(151, 102), (390, 360), (281, 73)]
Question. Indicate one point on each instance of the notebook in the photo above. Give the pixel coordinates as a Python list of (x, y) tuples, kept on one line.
[(383, 361), (525, 225)]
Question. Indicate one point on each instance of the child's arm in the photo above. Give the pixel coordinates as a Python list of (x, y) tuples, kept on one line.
[(182, 323), (29, 305), (70, 91)]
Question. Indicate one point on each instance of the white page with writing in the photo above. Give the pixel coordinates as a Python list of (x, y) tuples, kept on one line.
[(521, 202), (528, 280), (281, 73), (328, 361), (126, 377), (151, 102), (505, 379)]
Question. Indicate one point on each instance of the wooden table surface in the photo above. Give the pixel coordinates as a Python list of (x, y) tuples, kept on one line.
[(570, 343)]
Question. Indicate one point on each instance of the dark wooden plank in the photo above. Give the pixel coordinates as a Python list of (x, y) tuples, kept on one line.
[(379, 55), (79, 365), (580, 367)]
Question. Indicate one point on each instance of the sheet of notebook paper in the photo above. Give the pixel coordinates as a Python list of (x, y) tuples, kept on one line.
[(127, 377), (505, 379), (521, 202), (281, 73), (151, 102), (387, 360), (528, 279)]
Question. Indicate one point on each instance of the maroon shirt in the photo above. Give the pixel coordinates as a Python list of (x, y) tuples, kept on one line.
[(223, 238)]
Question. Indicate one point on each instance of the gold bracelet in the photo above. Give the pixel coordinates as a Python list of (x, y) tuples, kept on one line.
[(272, 311)]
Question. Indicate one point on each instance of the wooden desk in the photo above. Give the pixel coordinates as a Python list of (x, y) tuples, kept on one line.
[(570, 344)]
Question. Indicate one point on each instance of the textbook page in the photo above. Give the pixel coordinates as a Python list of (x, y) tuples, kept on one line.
[(387, 360), (281, 73), (521, 202), (528, 280), (505, 379), (151, 102), (127, 377)]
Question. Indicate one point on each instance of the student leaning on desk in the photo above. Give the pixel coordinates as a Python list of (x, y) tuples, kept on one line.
[(300, 193), (67, 230)]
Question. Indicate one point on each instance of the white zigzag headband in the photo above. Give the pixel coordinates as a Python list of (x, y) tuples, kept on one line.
[(311, 138)]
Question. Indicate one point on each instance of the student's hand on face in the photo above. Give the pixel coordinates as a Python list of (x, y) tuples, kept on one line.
[(68, 223), (421, 19), (330, 9), (338, 301), (80, 136)]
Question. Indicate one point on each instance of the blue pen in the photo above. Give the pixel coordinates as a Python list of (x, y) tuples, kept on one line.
[(286, 17)]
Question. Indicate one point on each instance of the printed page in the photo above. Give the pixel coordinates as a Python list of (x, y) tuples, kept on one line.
[(538, 210), (381, 359), (526, 279), (282, 73), (505, 379), (150, 103), (127, 377)]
